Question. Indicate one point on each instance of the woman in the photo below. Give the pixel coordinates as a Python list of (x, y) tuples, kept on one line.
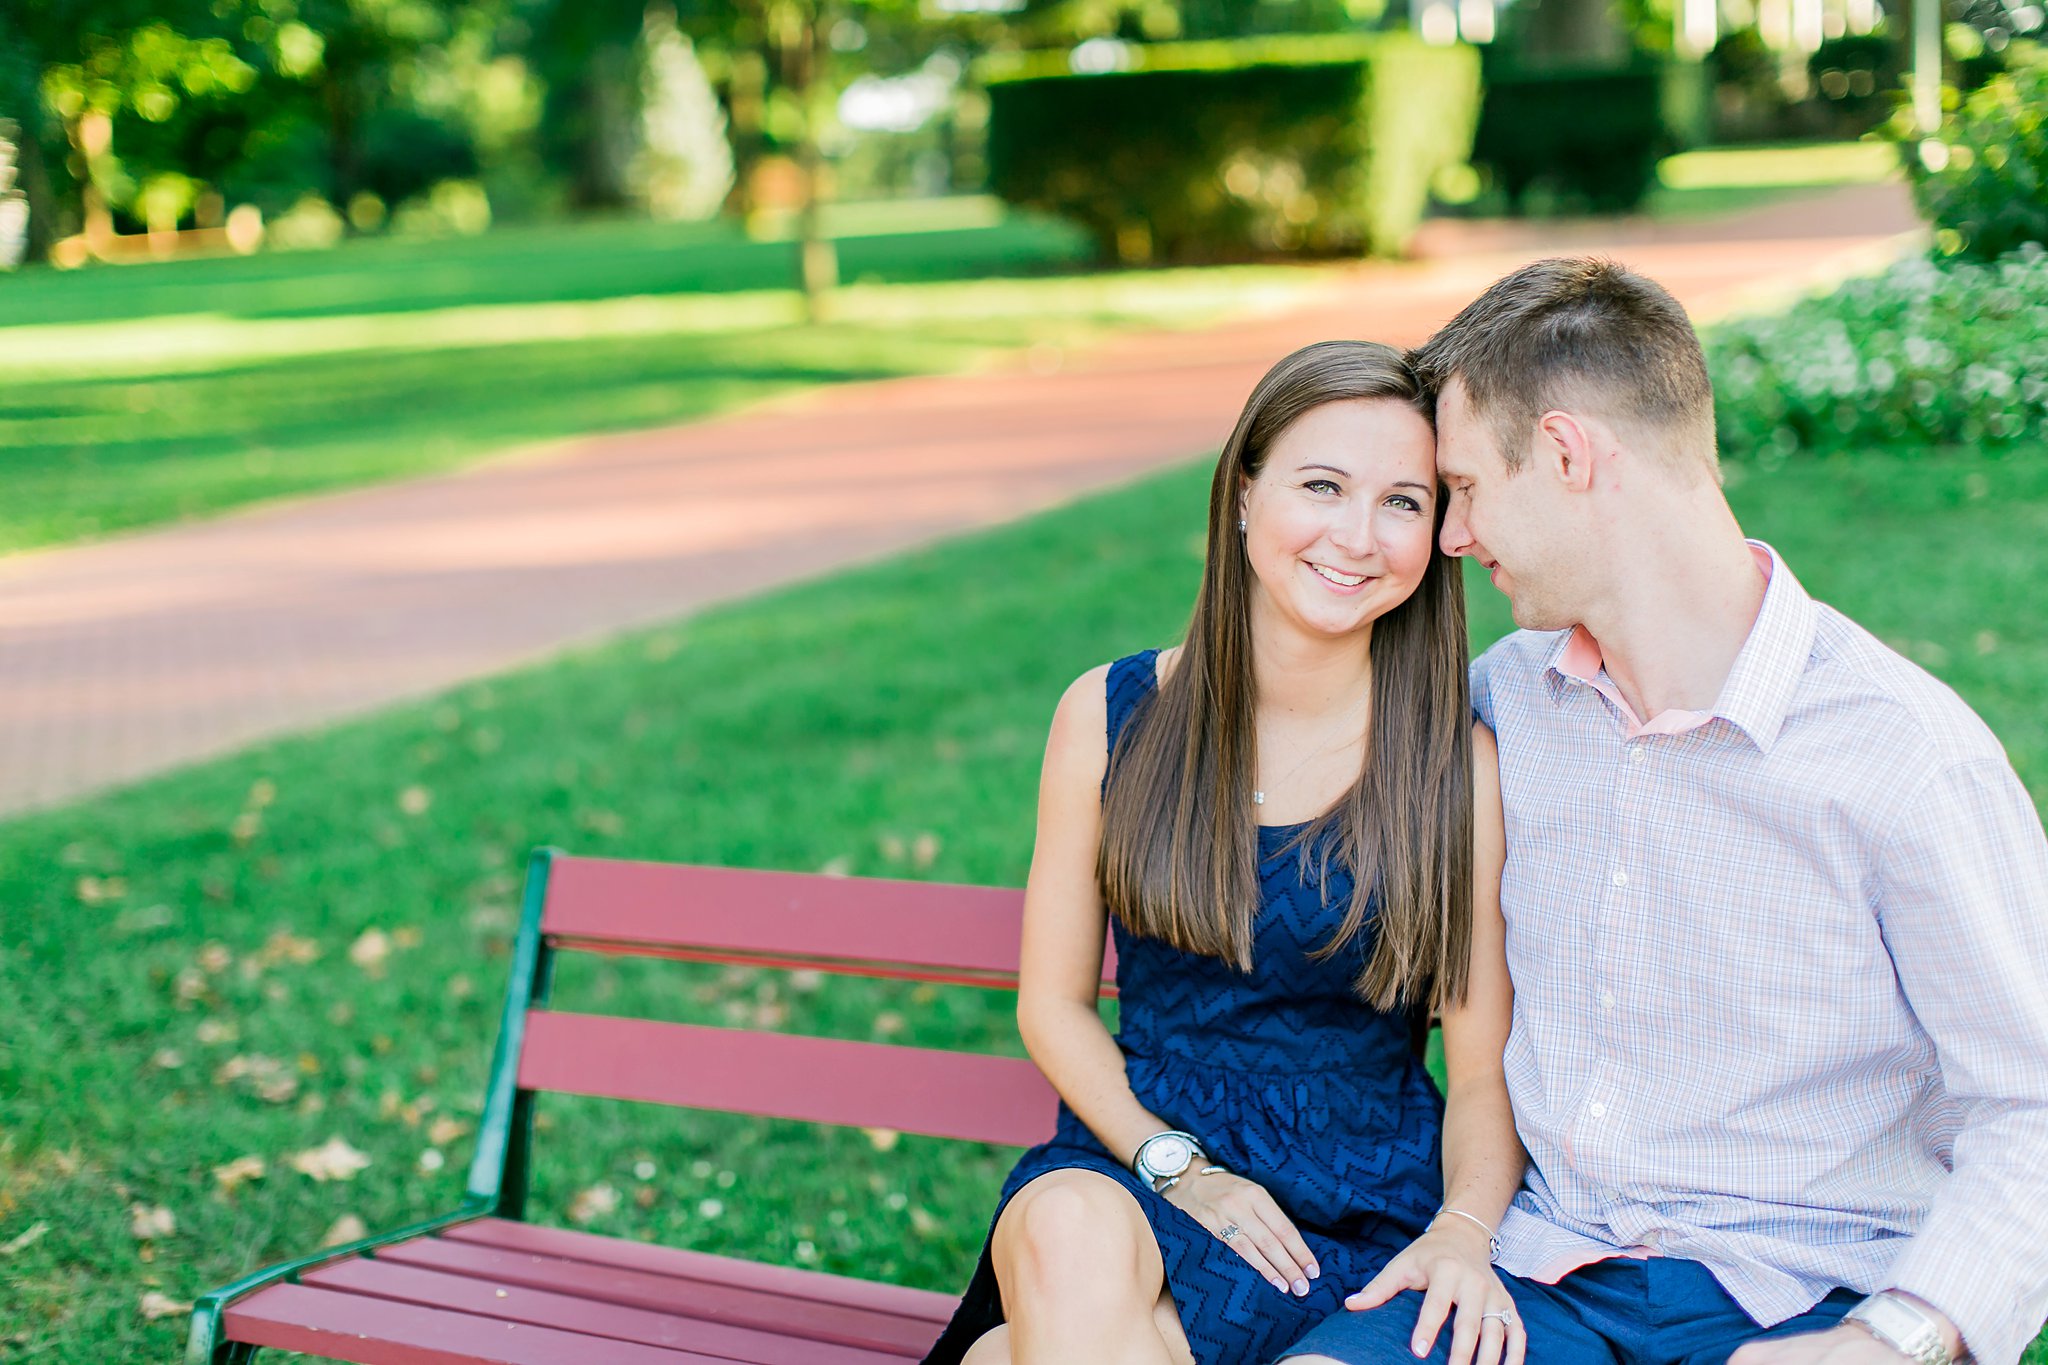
[(1278, 815)]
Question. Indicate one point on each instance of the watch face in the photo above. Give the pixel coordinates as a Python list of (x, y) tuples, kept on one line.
[(1168, 1155)]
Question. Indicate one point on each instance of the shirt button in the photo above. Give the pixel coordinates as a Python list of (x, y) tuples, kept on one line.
[(1597, 1109), (1620, 877), (1607, 1000), (1635, 753)]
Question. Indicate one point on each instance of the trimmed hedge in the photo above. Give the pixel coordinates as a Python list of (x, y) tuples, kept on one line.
[(1589, 134), (1228, 150)]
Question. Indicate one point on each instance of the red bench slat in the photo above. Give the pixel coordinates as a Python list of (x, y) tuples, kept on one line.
[(729, 1304), (496, 1299), (571, 1245), (338, 1326), (820, 1080), (915, 930)]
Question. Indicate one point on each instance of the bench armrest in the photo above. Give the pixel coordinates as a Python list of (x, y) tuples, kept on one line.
[(203, 1345)]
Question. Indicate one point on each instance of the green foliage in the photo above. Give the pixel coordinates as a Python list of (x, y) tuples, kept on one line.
[(830, 724), (1856, 78), (1213, 151), (1983, 180), (1587, 137), (1954, 355)]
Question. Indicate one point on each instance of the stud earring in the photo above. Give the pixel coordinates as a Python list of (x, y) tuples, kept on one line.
[(1241, 523)]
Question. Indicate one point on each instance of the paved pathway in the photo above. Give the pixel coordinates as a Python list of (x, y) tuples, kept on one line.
[(126, 658)]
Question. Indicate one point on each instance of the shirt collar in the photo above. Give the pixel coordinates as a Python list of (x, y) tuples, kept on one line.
[(1758, 692)]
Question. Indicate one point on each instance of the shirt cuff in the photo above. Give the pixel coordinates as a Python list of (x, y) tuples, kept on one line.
[(1995, 1316)]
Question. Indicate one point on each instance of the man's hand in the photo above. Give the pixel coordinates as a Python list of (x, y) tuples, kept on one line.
[(1836, 1346)]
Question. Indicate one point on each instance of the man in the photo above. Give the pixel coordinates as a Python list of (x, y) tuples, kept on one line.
[(1777, 905)]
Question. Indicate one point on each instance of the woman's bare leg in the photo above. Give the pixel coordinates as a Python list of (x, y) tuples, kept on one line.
[(1081, 1278)]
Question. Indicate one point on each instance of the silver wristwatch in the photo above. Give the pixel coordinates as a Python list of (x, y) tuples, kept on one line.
[(1903, 1326), (1164, 1158)]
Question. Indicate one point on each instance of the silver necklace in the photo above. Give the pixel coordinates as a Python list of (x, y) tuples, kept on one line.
[(1259, 795)]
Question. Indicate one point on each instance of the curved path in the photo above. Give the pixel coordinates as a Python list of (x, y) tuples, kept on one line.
[(122, 659)]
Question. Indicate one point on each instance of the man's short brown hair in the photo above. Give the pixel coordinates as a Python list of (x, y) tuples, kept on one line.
[(1577, 330)]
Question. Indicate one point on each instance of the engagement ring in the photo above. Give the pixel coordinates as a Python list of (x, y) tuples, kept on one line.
[(1230, 1230), (1507, 1319)]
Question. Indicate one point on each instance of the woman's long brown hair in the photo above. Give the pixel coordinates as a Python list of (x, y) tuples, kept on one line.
[(1179, 859)]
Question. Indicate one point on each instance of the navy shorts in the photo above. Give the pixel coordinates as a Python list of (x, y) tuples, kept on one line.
[(1620, 1311)]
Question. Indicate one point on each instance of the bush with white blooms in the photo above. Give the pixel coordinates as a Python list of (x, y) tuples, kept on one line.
[(1929, 354)]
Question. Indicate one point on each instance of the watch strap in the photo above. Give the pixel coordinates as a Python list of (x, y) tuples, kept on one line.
[(1902, 1325)]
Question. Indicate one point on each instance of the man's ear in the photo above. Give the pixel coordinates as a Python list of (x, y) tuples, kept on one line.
[(1565, 449)]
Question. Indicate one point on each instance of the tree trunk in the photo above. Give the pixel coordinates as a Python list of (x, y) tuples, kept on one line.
[(35, 185), (746, 125), (818, 260), (1574, 33)]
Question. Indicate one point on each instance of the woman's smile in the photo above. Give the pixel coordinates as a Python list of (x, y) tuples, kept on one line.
[(1337, 579)]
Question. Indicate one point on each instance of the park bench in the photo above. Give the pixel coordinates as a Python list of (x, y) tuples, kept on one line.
[(480, 1284)]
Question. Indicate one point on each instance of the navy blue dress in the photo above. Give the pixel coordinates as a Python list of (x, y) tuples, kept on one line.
[(1286, 1076)]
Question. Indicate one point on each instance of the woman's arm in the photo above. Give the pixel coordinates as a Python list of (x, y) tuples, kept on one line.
[(1059, 980), (1060, 973), (1483, 1156)]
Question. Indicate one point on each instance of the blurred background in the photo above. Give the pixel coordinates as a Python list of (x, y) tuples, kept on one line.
[(190, 126), (717, 432)]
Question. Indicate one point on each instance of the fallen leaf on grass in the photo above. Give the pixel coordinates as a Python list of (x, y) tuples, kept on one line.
[(156, 1304), (594, 1203), (431, 1161), (332, 1160), (415, 800), (99, 890), (167, 1059), (269, 1078), (239, 1172), (370, 950), (215, 958), (283, 946), (148, 1222), (216, 1031), (445, 1130), (883, 1139), (27, 1238), (347, 1228)]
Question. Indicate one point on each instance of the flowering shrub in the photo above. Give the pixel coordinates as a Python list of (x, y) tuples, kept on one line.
[(1983, 182), (1952, 354)]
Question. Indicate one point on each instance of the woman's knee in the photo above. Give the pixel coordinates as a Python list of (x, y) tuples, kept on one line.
[(991, 1348), (1077, 1230)]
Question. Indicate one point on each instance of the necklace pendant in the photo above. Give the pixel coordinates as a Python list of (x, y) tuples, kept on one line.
[(1258, 798)]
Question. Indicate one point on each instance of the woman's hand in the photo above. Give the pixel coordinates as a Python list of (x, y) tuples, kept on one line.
[(1250, 1223), (1452, 1267)]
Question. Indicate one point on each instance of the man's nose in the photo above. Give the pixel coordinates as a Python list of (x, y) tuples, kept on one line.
[(1456, 536)]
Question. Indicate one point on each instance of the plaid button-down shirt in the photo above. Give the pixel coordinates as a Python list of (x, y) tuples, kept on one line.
[(1781, 977)]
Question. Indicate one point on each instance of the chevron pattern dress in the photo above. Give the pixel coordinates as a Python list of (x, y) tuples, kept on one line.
[(1288, 1079)]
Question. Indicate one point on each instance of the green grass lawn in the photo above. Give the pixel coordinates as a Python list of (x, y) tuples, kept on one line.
[(883, 721), (138, 395)]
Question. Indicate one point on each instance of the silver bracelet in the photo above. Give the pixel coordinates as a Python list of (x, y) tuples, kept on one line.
[(1492, 1241)]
